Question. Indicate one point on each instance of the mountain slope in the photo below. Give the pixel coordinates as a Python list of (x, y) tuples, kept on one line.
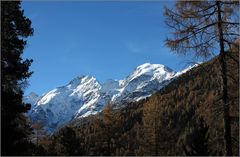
[(142, 82), (169, 120), (85, 96), (31, 98), (196, 94), (60, 104)]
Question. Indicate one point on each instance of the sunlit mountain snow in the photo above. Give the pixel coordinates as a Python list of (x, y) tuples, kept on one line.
[(84, 95)]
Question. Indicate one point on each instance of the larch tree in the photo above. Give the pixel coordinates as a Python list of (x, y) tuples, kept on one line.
[(15, 28), (69, 141), (198, 140), (151, 128), (202, 28), (108, 127), (39, 132)]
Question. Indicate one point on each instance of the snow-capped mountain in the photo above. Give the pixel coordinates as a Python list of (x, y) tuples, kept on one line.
[(84, 95), (80, 96), (31, 98), (142, 82)]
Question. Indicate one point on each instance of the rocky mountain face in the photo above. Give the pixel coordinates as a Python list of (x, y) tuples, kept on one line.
[(31, 98), (84, 95)]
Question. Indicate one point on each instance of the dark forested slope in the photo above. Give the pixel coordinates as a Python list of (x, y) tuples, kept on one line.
[(184, 118), (193, 97)]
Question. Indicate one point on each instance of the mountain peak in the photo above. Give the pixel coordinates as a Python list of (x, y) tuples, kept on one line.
[(33, 94), (149, 65), (79, 79), (31, 98), (151, 70)]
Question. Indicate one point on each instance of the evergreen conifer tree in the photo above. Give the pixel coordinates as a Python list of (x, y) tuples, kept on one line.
[(15, 27)]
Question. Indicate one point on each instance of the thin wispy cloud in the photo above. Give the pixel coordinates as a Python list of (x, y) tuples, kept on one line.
[(85, 44), (134, 47)]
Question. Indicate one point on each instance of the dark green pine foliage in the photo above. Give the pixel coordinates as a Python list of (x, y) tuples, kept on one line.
[(198, 143), (15, 27)]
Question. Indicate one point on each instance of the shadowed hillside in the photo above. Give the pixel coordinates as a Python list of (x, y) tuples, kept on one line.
[(193, 95), (184, 118)]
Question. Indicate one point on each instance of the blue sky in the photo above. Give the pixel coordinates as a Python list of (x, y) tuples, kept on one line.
[(102, 39)]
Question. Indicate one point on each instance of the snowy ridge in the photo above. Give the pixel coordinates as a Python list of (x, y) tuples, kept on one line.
[(84, 95), (142, 82), (185, 70)]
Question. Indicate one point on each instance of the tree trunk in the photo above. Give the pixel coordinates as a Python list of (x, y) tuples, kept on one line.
[(226, 120)]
